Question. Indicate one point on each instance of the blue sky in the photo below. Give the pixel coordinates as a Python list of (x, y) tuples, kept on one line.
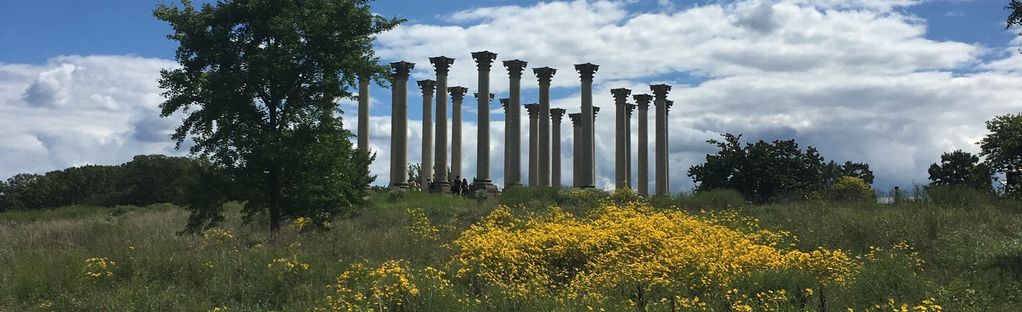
[(890, 82), (34, 31)]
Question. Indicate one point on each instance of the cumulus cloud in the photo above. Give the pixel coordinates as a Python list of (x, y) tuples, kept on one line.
[(860, 80), (77, 110)]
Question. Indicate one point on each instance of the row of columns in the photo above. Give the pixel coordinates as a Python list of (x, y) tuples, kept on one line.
[(544, 129)]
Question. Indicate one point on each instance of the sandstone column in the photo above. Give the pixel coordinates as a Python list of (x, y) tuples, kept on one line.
[(544, 74), (457, 98), (513, 174), (425, 169), (576, 129), (399, 125), (667, 144), (507, 140), (484, 59), (533, 110), (592, 148), (660, 101), (642, 182), (555, 146), (588, 174), (363, 112), (620, 148), (628, 144), (441, 64)]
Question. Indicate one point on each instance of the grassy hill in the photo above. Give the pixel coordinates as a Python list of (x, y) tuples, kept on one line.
[(709, 251)]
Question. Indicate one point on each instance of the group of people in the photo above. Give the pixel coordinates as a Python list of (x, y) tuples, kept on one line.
[(459, 186)]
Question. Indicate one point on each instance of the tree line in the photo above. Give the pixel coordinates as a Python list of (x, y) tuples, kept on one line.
[(145, 180)]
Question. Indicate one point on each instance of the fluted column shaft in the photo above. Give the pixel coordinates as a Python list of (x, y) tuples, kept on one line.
[(363, 112), (555, 146), (660, 101), (628, 145), (457, 99), (441, 65), (484, 59), (508, 137), (576, 135), (513, 174), (399, 125), (642, 181), (544, 75), (533, 110), (620, 148), (425, 172), (588, 174)]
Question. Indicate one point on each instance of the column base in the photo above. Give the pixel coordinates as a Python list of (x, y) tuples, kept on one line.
[(402, 186), (441, 187), (485, 185)]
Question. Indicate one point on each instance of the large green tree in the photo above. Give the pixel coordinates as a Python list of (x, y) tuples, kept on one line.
[(1002, 148), (960, 168), (258, 85), (766, 171)]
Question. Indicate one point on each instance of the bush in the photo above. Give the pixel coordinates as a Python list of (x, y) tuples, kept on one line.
[(851, 189)]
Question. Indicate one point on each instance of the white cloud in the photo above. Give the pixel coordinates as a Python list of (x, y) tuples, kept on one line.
[(857, 79), (77, 110)]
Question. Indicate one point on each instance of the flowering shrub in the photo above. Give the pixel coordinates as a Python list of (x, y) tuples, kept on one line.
[(390, 287), (216, 237), (629, 249), (300, 223), (420, 228), (99, 268), (286, 267), (621, 257)]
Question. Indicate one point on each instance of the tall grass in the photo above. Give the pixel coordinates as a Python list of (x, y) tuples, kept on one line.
[(972, 250)]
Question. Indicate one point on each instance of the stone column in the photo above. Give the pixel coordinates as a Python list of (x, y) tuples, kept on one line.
[(620, 147), (363, 112), (533, 110), (628, 145), (441, 182), (555, 146), (667, 144), (426, 168), (592, 149), (399, 125), (588, 176), (544, 74), (507, 141), (576, 128), (484, 59), (513, 173), (457, 98), (642, 181), (660, 101)]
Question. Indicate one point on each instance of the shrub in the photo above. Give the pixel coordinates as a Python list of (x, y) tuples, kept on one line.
[(851, 189)]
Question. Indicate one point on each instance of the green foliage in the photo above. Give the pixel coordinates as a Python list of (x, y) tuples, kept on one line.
[(764, 172), (145, 180), (258, 84), (961, 168), (852, 189), (1002, 147)]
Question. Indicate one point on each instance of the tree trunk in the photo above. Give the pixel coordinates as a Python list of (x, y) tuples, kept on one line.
[(274, 203)]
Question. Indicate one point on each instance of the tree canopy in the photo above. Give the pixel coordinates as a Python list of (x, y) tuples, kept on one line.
[(959, 168), (145, 180), (766, 171), (1002, 148), (258, 85)]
